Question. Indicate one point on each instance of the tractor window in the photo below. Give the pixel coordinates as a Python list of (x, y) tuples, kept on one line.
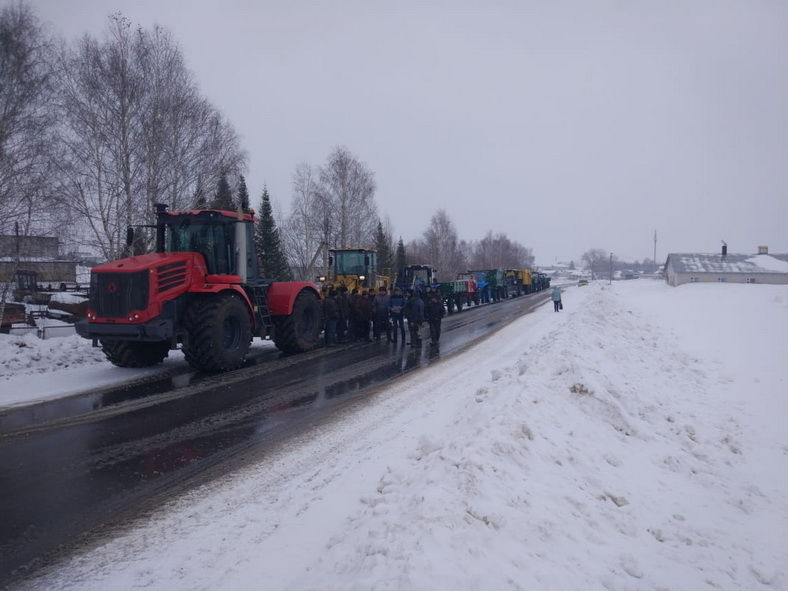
[(350, 263), (418, 278), (214, 241)]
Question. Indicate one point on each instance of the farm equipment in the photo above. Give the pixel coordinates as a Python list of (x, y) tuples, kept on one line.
[(456, 294), (200, 289), (540, 281), (27, 288), (490, 283), (518, 282), (419, 278), (355, 268)]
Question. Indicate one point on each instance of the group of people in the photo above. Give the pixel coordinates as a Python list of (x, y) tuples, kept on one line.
[(349, 317)]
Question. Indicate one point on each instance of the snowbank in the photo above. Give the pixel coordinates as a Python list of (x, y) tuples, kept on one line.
[(634, 441)]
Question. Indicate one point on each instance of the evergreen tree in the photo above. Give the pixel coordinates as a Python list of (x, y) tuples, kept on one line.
[(224, 196), (199, 201), (269, 245), (243, 194), (383, 248), (401, 261)]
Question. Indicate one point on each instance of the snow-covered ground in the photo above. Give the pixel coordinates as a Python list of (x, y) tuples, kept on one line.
[(34, 369), (635, 440)]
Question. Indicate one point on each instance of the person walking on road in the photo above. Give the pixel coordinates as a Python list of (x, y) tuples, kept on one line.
[(396, 309), (556, 297), (414, 314), (434, 312)]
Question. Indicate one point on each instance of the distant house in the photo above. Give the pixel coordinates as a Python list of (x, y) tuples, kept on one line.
[(726, 268)]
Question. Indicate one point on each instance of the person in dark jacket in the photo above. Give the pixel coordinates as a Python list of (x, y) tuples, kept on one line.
[(434, 312), (330, 315), (414, 314), (381, 315), (343, 303), (396, 308), (364, 312), (353, 315)]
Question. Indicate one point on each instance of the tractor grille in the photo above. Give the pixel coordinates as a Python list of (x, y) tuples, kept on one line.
[(172, 275), (114, 295)]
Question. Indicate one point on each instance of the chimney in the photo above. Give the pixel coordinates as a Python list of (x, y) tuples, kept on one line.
[(724, 248), (763, 250)]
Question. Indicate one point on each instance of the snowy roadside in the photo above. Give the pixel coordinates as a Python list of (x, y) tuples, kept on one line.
[(633, 441), (34, 370)]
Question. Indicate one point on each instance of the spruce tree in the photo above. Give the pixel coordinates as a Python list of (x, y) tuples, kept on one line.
[(383, 248), (243, 195), (224, 196), (401, 262), (268, 244)]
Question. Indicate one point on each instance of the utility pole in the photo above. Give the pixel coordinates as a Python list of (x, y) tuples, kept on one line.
[(655, 251), (611, 269)]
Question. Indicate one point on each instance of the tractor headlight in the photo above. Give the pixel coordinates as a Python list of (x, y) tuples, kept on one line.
[(362, 277)]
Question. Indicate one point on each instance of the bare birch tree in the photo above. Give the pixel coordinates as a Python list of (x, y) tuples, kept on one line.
[(135, 131), (440, 247), (26, 119), (306, 231), (346, 187), (498, 251)]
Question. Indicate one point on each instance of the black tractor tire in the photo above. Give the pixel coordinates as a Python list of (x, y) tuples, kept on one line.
[(300, 331), (450, 305), (458, 303), (218, 333), (135, 353)]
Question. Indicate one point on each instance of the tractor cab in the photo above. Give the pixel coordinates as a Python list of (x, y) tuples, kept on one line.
[(419, 278), (226, 242), (355, 268)]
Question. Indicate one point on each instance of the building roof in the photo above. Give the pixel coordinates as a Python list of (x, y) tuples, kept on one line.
[(731, 263)]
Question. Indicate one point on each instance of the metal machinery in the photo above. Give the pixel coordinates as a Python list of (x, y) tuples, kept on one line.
[(518, 282), (200, 289), (419, 278), (355, 268)]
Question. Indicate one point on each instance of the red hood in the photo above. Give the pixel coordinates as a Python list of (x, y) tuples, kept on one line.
[(144, 262)]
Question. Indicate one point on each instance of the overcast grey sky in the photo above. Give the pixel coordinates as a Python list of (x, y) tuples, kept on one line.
[(568, 125)]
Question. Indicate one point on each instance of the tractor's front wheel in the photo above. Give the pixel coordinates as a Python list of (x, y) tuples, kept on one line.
[(135, 353), (300, 330), (219, 332)]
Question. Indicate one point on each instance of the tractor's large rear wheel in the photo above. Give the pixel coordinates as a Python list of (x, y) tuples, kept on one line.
[(300, 330), (219, 332), (135, 353)]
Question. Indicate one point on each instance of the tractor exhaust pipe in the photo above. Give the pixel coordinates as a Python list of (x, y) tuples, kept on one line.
[(160, 208)]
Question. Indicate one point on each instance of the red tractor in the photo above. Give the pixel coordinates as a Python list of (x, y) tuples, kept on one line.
[(201, 289)]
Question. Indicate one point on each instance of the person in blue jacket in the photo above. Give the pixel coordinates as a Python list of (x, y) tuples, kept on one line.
[(556, 297), (396, 312)]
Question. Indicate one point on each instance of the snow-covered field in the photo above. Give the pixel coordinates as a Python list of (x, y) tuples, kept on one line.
[(636, 440)]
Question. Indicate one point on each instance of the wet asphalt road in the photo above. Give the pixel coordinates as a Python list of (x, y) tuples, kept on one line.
[(75, 469)]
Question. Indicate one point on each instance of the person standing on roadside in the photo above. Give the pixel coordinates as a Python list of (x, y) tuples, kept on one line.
[(353, 315), (381, 315), (364, 308), (414, 314), (330, 315), (344, 312), (556, 297), (396, 308), (434, 312)]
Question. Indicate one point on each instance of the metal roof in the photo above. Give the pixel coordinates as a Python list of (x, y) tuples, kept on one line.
[(731, 263)]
